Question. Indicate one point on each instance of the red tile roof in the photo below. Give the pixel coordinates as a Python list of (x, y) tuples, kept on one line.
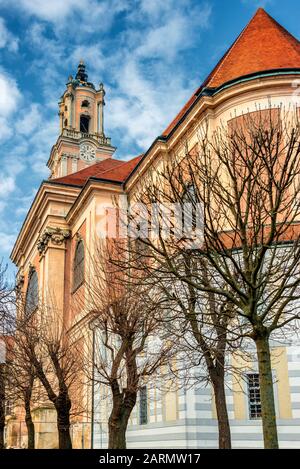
[(109, 169), (263, 45)]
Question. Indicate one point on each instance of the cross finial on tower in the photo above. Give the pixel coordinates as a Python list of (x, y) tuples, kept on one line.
[(81, 74)]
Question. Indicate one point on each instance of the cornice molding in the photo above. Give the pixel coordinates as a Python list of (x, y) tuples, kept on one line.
[(47, 193)]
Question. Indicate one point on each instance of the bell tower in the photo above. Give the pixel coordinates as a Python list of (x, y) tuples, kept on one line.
[(82, 141)]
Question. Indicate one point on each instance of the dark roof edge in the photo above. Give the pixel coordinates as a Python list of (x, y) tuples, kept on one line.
[(58, 183), (109, 181)]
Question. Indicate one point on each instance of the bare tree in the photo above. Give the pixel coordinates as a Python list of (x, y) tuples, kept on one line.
[(200, 323), (21, 390), (2, 403), (130, 346), (5, 316), (245, 182), (204, 335), (55, 361)]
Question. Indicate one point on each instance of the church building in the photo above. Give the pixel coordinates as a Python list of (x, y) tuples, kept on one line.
[(260, 70)]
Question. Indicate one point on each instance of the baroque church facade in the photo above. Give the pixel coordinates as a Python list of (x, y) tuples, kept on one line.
[(261, 69)]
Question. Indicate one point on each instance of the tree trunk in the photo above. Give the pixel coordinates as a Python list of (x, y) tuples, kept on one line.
[(118, 420), (117, 434), (266, 393), (30, 426), (2, 405), (2, 426), (222, 414), (63, 407)]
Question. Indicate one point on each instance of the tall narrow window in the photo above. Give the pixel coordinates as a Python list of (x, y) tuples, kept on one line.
[(190, 204), (254, 396), (32, 294), (143, 406), (84, 124), (78, 270), (192, 218)]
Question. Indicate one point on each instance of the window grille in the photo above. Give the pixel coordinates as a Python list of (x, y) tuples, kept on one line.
[(254, 396), (143, 406)]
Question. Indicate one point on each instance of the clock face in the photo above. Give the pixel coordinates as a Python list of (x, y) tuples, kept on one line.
[(87, 152)]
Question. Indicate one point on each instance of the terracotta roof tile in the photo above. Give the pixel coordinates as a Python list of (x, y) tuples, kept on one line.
[(263, 45), (109, 169)]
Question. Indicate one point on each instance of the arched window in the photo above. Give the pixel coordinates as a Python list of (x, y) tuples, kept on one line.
[(84, 124), (78, 269), (85, 103), (32, 294), (66, 123)]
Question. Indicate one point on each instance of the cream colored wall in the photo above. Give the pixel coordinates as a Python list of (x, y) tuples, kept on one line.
[(281, 383), (280, 367), (89, 216)]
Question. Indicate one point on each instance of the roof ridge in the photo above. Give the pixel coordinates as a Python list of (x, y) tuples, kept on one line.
[(282, 30), (220, 64), (118, 166), (88, 167), (284, 33), (94, 172)]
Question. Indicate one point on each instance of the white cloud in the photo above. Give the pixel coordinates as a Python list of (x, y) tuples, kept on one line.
[(9, 94), (6, 130), (2, 205), (166, 40), (142, 109), (30, 120), (257, 3), (40, 143), (7, 39), (91, 54), (49, 11), (7, 185), (174, 35), (6, 242), (85, 15), (10, 97), (24, 202)]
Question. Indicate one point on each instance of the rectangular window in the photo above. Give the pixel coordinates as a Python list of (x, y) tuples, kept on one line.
[(143, 406), (254, 396)]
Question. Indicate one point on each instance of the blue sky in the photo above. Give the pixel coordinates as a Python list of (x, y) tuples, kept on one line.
[(150, 54)]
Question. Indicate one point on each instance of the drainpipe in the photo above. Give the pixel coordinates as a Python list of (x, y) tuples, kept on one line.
[(93, 328)]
